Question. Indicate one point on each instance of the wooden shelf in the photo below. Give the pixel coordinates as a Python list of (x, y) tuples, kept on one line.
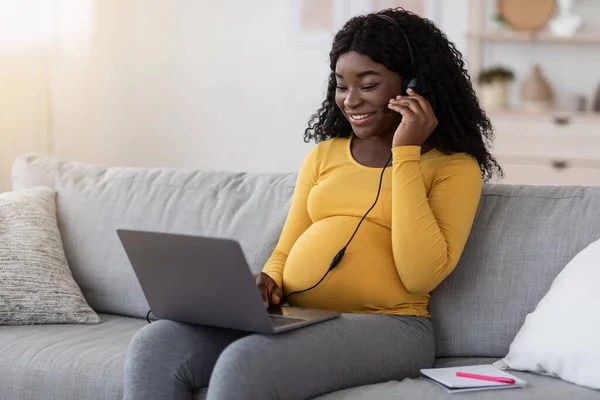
[(556, 147), (586, 116), (541, 37)]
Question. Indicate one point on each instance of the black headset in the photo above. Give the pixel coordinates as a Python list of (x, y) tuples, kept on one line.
[(409, 82)]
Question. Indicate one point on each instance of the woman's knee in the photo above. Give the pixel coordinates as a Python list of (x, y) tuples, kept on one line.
[(251, 349), (157, 362), (176, 353), (149, 341), (246, 369)]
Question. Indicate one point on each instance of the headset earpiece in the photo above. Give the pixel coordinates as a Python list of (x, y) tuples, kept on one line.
[(410, 83)]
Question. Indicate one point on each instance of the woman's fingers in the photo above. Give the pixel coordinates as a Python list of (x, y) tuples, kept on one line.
[(265, 286), (423, 102), (276, 295), (402, 109), (411, 103)]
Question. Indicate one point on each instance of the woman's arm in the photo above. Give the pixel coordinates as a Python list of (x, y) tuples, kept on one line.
[(429, 234), (297, 220)]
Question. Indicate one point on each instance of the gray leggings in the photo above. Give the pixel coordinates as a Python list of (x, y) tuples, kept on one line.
[(169, 360)]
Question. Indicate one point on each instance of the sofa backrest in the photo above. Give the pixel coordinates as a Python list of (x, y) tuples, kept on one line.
[(522, 237), (93, 201)]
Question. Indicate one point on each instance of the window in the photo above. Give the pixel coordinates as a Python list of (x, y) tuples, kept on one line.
[(35, 23)]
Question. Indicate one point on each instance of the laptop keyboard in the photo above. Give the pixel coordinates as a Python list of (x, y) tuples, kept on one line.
[(278, 322)]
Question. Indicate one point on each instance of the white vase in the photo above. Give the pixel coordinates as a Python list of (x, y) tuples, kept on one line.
[(536, 93), (565, 24), (494, 95)]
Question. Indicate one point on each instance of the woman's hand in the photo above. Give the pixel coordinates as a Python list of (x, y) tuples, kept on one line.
[(418, 119), (270, 292)]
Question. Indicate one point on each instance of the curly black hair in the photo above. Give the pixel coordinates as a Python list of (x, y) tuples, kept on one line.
[(443, 80)]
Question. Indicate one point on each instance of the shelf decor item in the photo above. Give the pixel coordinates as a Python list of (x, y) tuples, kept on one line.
[(565, 24), (495, 84), (580, 103), (497, 22), (597, 100), (530, 15), (537, 93)]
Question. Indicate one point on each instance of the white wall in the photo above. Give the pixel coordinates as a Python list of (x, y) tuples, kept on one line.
[(209, 84), (219, 85), (453, 20), (228, 84)]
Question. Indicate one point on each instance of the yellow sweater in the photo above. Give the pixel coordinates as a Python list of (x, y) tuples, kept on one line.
[(409, 242)]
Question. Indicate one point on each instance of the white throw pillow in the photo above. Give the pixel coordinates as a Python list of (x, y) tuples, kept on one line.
[(36, 284), (562, 336)]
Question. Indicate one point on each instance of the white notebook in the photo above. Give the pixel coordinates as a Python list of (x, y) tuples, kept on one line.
[(446, 377)]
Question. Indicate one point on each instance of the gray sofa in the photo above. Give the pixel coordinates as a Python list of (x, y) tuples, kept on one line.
[(521, 239)]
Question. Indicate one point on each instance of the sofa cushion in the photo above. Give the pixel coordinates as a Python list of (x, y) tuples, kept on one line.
[(93, 201), (538, 387), (83, 362), (546, 344), (521, 239), (36, 284)]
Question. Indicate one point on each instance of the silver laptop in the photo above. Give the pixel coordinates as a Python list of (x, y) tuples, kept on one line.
[(206, 281)]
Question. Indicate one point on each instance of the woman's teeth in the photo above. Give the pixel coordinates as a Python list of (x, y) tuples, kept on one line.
[(361, 116)]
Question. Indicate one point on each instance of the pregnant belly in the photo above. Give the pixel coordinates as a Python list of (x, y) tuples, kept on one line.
[(365, 279)]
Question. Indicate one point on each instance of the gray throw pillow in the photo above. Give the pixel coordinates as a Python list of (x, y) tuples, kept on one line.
[(36, 284)]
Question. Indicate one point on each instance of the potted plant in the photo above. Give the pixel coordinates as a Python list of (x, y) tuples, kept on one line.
[(497, 22), (495, 84)]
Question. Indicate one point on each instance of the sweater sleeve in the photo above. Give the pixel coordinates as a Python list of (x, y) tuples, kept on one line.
[(430, 233), (297, 220)]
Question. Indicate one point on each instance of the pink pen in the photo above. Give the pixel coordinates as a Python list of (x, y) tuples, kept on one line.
[(486, 377)]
